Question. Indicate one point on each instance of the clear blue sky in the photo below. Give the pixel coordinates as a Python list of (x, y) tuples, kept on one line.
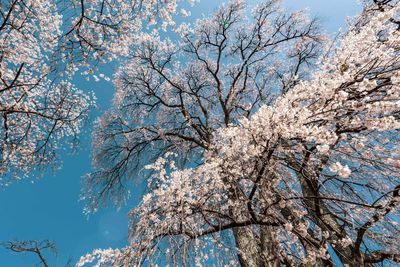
[(49, 207)]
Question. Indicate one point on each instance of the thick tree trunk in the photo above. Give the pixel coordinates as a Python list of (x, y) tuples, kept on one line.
[(256, 245), (269, 247), (254, 250), (247, 246)]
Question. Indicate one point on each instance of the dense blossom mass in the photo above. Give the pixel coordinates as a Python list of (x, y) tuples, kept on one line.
[(293, 167), (42, 44)]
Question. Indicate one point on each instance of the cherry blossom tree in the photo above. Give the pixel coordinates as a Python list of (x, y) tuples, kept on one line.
[(292, 167), (35, 111), (173, 95), (43, 43)]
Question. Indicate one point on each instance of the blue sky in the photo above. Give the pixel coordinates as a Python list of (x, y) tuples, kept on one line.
[(49, 207)]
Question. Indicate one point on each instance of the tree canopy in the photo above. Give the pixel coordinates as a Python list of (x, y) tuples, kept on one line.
[(296, 161)]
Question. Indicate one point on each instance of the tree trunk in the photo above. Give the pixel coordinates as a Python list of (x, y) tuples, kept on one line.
[(269, 247), (256, 250), (247, 246)]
